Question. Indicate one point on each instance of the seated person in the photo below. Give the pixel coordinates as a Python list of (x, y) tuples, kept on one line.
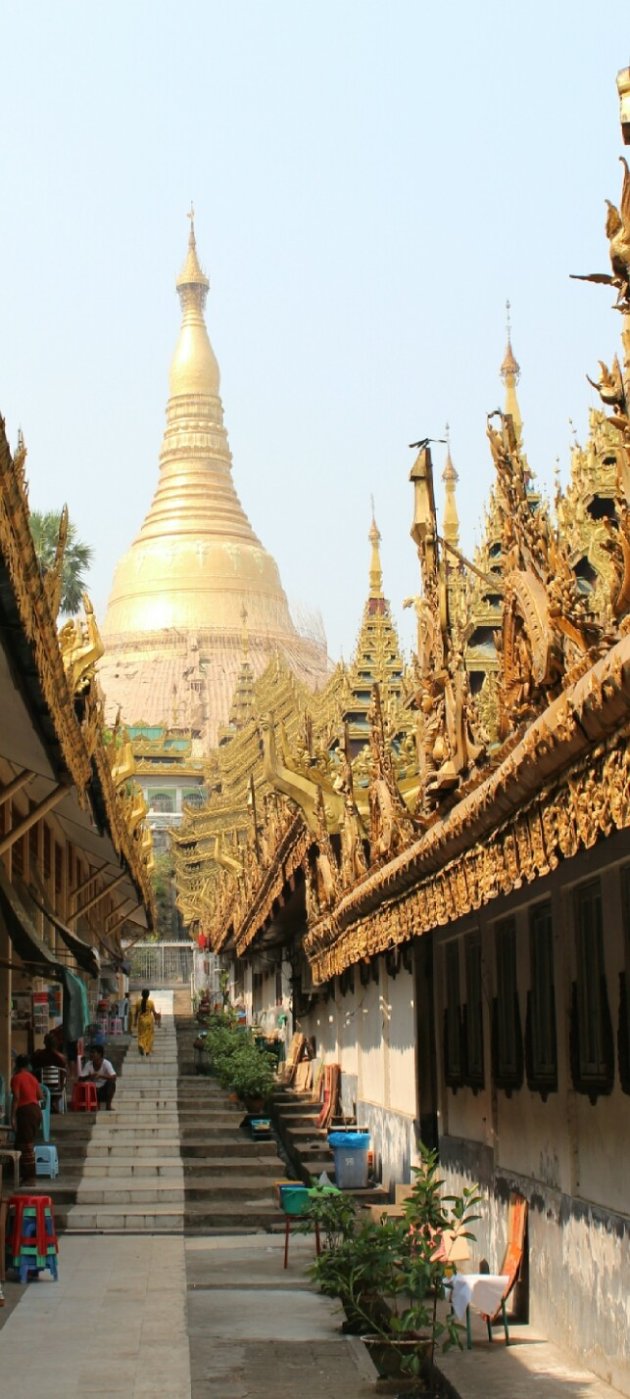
[(49, 1057), (100, 1072)]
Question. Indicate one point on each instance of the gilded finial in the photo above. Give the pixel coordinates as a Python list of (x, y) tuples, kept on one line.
[(449, 473), (450, 525), (376, 572), (510, 367), (191, 278), (245, 632), (510, 374)]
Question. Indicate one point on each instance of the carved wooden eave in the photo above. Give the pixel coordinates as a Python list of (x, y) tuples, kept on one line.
[(36, 630), (73, 735), (564, 786), (289, 857), (129, 845)]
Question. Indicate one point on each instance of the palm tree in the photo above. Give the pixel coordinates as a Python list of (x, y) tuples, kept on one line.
[(76, 560)]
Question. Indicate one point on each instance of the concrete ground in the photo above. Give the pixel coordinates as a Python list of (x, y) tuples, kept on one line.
[(219, 1318), (531, 1367)]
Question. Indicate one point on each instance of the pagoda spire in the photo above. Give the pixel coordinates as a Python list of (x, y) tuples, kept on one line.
[(195, 562), (376, 572), (243, 697), (450, 525), (510, 374)]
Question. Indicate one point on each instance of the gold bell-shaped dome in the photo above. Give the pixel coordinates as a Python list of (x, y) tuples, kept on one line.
[(196, 562)]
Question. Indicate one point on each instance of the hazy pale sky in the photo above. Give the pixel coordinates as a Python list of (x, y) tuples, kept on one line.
[(371, 182)]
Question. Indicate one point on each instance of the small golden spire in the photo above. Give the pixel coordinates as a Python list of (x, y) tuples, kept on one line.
[(376, 572), (450, 525), (510, 374), (191, 275), (245, 632)]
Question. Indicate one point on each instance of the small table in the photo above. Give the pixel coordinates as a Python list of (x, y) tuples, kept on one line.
[(483, 1291)]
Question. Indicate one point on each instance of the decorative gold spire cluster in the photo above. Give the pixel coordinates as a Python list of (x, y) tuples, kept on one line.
[(510, 374), (376, 572), (450, 518)]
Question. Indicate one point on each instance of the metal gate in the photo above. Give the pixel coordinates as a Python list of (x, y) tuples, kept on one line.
[(161, 965)]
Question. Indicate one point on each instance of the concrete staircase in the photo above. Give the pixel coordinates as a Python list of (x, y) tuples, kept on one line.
[(171, 1156), (132, 1175), (228, 1177)]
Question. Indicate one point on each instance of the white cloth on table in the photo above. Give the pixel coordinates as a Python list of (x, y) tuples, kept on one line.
[(483, 1291)]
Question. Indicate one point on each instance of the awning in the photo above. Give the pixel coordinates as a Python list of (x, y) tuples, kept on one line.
[(86, 957), (21, 929)]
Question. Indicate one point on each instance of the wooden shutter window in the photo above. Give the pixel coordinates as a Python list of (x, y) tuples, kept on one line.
[(473, 1019), (507, 1035), (541, 1046), (592, 1047)]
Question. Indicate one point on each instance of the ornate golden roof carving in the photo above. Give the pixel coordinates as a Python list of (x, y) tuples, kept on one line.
[(64, 663), (428, 820)]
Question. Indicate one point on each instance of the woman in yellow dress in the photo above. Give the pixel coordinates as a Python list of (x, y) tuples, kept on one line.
[(144, 1020)]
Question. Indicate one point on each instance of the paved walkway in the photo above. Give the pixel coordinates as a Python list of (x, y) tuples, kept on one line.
[(219, 1318), (212, 1316), (114, 1324)]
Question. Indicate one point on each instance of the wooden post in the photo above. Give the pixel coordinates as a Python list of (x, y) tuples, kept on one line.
[(16, 785), (53, 799), (96, 898)]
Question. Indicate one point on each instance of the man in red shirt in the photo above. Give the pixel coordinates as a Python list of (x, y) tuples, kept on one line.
[(26, 1115)]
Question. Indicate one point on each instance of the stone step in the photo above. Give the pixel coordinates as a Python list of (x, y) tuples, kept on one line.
[(125, 1105), (195, 1217), (155, 1190), (121, 1151), (109, 1190), (193, 1149), (305, 1136), (124, 1168), (122, 1110), (129, 1133), (154, 1219), (267, 1168)]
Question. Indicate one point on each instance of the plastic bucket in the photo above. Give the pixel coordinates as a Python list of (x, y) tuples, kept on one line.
[(350, 1150), (295, 1199)]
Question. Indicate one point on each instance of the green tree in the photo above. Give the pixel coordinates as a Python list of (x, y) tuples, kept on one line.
[(76, 560), (163, 883)]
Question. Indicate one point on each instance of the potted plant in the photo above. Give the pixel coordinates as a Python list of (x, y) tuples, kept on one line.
[(240, 1066), (390, 1274), (252, 1075)]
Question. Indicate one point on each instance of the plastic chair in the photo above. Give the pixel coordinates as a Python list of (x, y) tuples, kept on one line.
[(46, 1160), (115, 1025), (84, 1097), (512, 1260), (55, 1079), (32, 1239)]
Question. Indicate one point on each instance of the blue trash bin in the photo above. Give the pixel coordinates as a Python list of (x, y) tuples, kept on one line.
[(350, 1150)]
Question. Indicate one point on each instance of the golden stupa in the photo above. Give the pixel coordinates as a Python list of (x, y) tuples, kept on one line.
[(173, 630)]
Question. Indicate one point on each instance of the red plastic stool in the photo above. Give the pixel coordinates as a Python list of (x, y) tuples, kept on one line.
[(84, 1097), (32, 1241)]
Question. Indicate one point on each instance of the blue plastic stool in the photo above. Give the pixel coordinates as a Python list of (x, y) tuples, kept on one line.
[(46, 1160)]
